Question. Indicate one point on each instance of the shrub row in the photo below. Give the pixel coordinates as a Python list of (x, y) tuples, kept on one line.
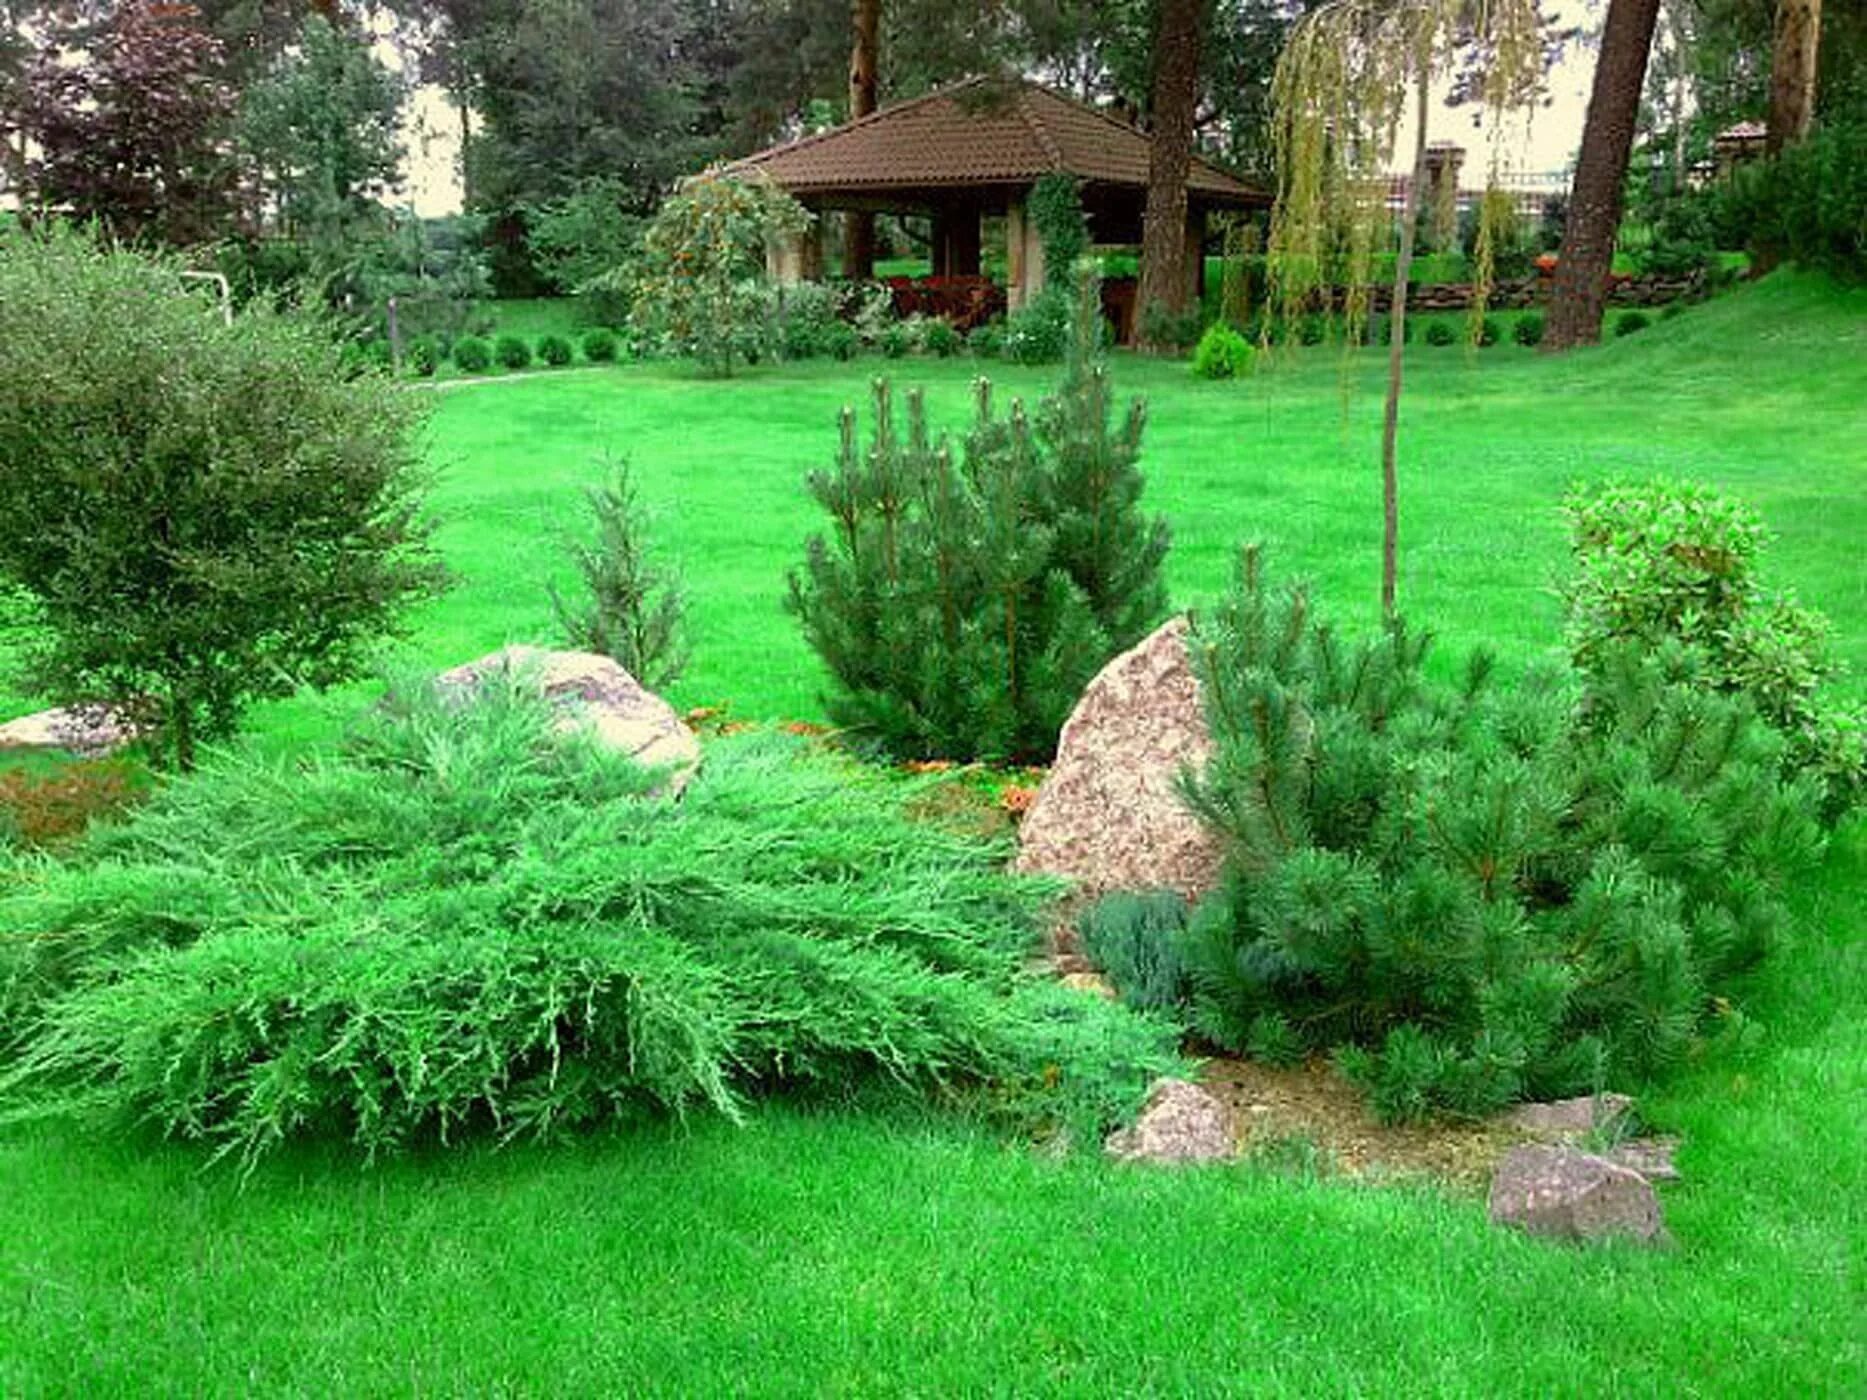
[(475, 354)]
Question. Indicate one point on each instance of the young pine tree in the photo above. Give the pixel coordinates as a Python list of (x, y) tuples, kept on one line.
[(634, 610)]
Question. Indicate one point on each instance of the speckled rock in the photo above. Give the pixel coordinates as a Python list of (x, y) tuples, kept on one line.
[(1179, 1123), (1109, 817), (1564, 1193), (594, 692), (1564, 1119), (90, 731)]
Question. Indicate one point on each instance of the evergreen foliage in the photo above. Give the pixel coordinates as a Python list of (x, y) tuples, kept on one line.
[(1666, 561), (635, 610), (962, 605), (1476, 894), (1135, 938), (1222, 353), (1055, 209), (465, 922)]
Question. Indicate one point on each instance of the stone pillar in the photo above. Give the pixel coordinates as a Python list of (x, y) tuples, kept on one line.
[(1024, 257)]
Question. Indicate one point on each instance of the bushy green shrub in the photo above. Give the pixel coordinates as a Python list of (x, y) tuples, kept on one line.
[(987, 341), (423, 356), (512, 351), (808, 316), (1673, 561), (1808, 205), (1222, 354), (1038, 333), (962, 605), (472, 354), (1134, 938), (634, 610), (1486, 332), (896, 341), (1440, 332), (201, 514), (1528, 329), (1312, 330), (554, 350), (1167, 329), (1473, 893), (465, 923), (1629, 322), (938, 337), (840, 341), (600, 346)]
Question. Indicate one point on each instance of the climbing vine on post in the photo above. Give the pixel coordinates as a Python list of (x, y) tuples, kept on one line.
[(1338, 99)]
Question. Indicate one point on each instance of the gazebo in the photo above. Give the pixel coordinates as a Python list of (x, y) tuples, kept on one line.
[(972, 150)]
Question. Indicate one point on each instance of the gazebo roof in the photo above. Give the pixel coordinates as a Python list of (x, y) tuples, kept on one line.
[(981, 132)]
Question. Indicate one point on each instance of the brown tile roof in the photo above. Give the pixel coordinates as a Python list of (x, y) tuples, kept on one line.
[(979, 132)]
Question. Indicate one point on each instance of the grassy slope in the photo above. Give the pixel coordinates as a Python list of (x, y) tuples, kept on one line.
[(835, 1253)]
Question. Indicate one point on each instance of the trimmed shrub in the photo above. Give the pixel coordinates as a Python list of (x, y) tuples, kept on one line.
[(1222, 354), (1441, 333), (1528, 328), (938, 337), (472, 354), (963, 599), (1630, 322), (634, 610), (600, 346), (512, 352), (1475, 894), (1668, 561), (1134, 938), (422, 357), (432, 935), (1487, 332), (554, 350)]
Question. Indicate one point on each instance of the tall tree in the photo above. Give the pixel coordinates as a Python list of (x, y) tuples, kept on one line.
[(1793, 72), (1599, 190), (1164, 274), (865, 34)]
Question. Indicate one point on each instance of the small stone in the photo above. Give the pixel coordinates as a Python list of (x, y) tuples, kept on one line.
[(1564, 1193), (1571, 1118), (1179, 1123), (1651, 1157)]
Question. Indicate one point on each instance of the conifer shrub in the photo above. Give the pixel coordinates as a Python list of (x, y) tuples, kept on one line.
[(1222, 353), (1135, 937), (633, 609), (472, 354), (466, 923), (963, 598), (1474, 893), (1659, 561), (554, 350), (512, 351), (599, 346)]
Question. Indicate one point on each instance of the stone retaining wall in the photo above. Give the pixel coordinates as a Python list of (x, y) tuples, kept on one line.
[(1521, 293)]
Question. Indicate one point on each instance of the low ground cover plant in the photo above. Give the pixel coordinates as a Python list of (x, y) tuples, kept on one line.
[(1474, 893), (962, 598), (463, 922)]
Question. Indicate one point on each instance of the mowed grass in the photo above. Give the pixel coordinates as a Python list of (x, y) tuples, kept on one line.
[(824, 1250)]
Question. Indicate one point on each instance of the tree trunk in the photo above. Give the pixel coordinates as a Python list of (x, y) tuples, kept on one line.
[(1792, 72), (865, 21), (1164, 274), (1396, 355), (1595, 200)]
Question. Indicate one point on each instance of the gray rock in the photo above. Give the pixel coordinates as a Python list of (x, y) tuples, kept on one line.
[(1571, 1118), (90, 731), (594, 693), (1651, 1157), (1108, 816), (1179, 1123), (1563, 1193)]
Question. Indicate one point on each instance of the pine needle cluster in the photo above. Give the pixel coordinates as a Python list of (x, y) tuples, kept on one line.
[(962, 600), (1474, 893), (465, 923)]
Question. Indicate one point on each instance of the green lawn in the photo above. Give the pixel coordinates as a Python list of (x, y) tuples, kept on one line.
[(826, 1251)]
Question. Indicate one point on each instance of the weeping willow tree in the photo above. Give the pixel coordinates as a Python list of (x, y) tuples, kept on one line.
[(1338, 101)]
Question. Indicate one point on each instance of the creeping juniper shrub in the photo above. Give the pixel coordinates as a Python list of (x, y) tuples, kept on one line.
[(964, 595), (472, 354), (1134, 938), (554, 350), (465, 922), (599, 346), (1223, 353), (1472, 893), (512, 351)]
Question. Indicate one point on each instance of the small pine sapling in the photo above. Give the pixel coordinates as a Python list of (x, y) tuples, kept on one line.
[(634, 609)]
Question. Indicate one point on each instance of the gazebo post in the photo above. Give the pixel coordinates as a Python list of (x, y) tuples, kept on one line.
[(956, 240), (797, 258), (1024, 256)]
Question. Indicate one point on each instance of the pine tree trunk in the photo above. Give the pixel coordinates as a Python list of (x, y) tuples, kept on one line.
[(1396, 356), (865, 21), (1792, 72), (1164, 274), (1595, 201)]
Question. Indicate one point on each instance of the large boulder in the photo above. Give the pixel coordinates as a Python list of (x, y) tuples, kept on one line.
[(90, 731), (1565, 1193), (592, 692), (1109, 815), (1179, 1123)]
